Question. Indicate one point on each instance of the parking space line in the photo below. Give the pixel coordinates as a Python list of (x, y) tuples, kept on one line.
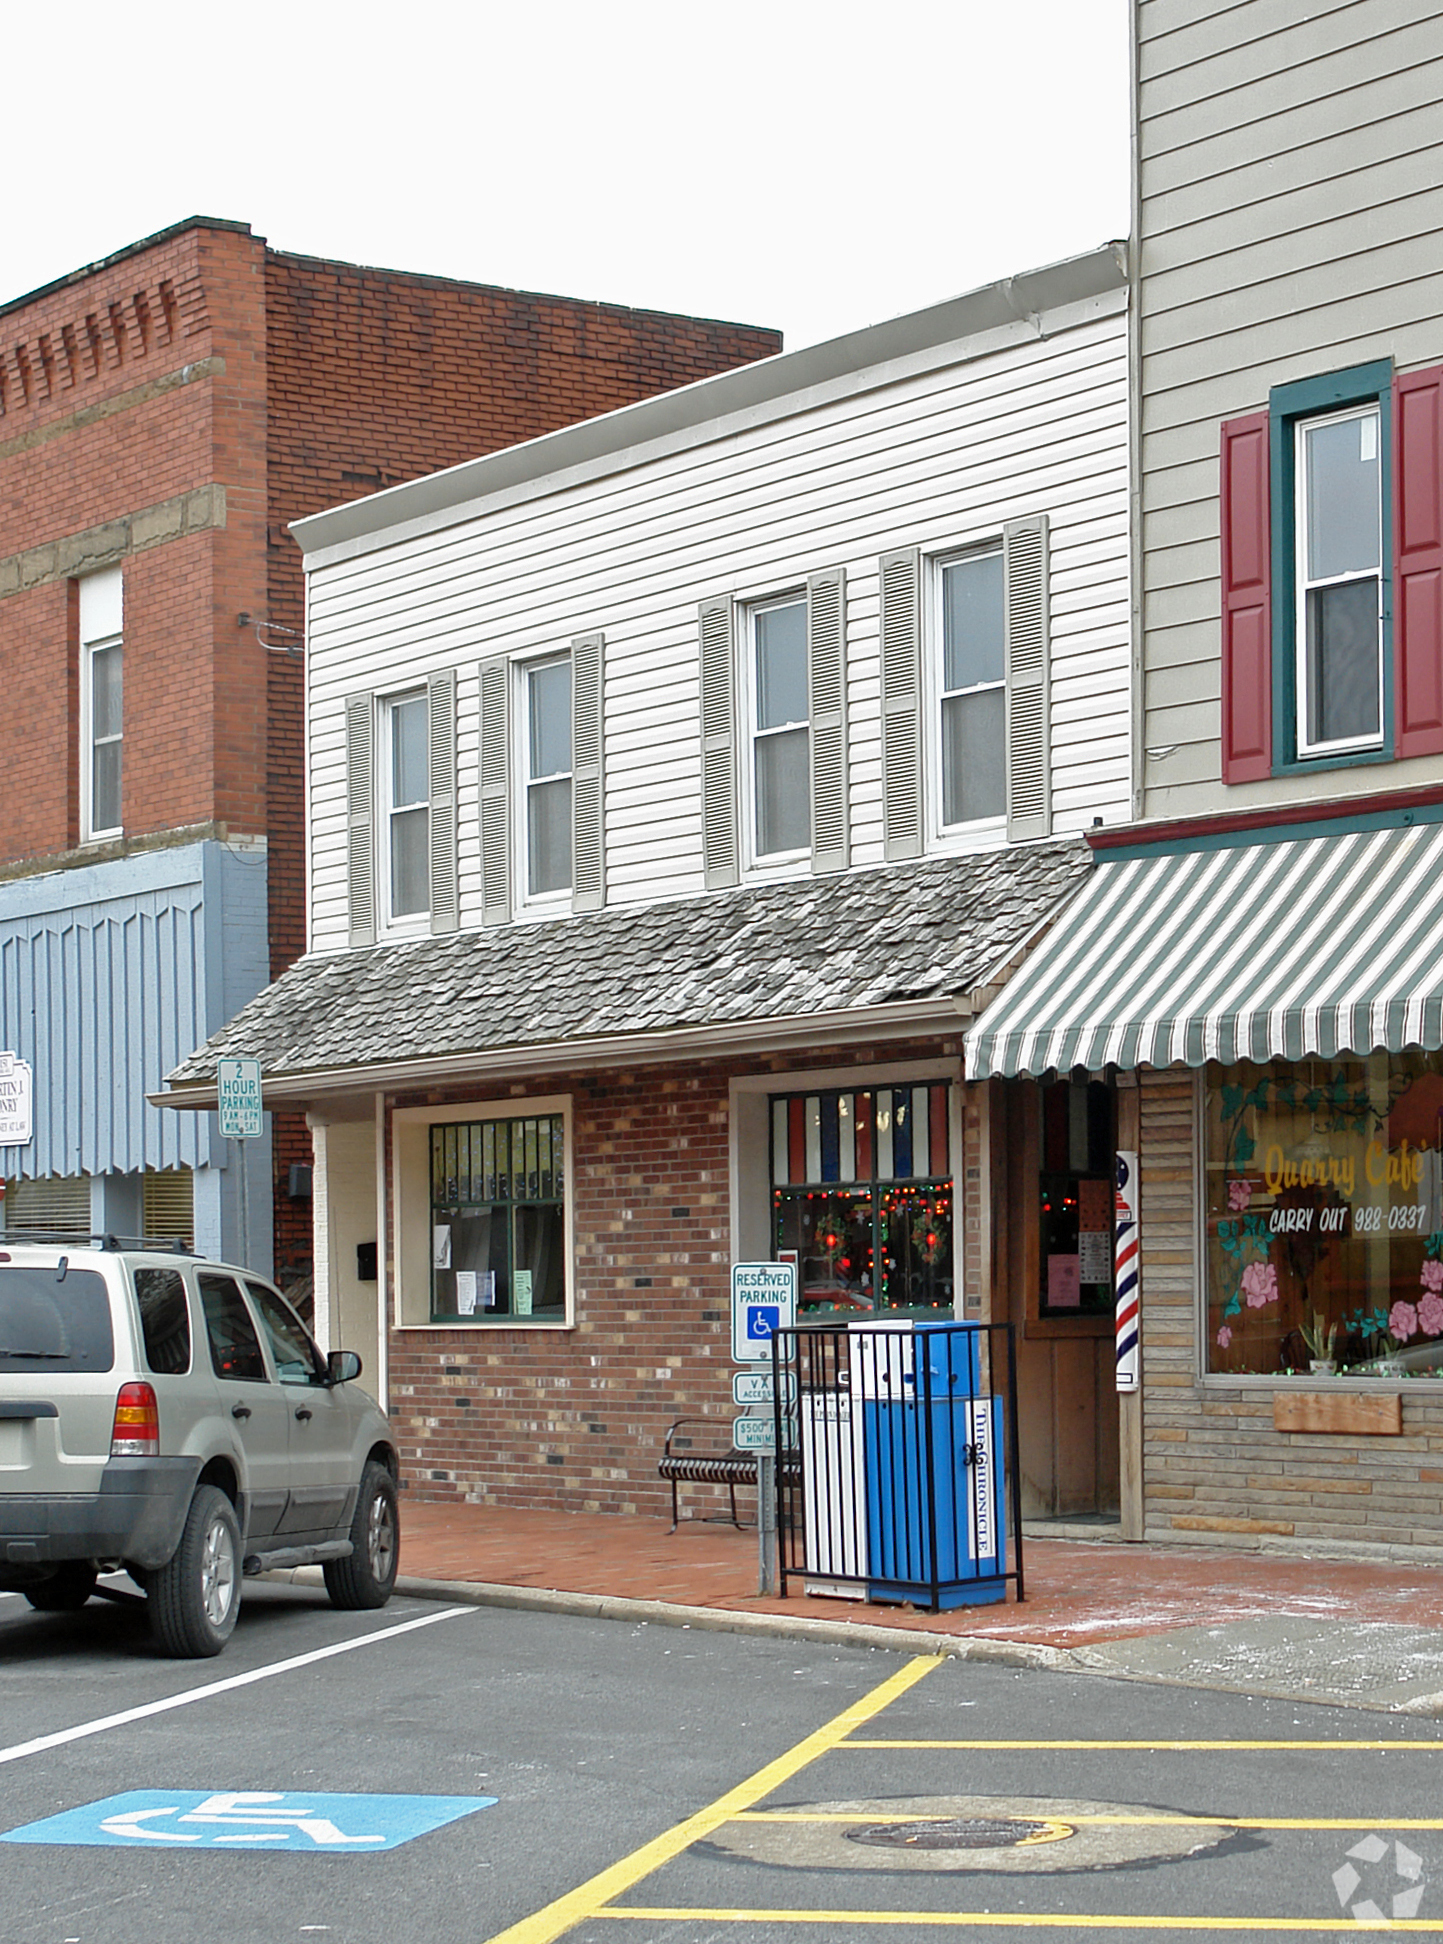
[(128, 1715), (591, 1899), (1165, 1747), (1344, 1823), (991, 1919)]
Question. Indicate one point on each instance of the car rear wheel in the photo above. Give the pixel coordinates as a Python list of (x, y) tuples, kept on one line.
[(195, 1596), (64, 1592), (367, 1577)]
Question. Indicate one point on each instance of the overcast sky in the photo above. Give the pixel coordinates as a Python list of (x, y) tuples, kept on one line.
[(809, 164)]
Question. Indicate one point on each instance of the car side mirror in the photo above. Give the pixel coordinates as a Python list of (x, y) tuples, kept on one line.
[(344, 1366)]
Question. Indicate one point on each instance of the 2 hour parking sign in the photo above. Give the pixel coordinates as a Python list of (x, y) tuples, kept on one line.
[(764, 1300)]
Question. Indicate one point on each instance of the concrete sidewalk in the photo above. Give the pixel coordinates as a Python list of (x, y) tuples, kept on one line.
[(1357, 1632)]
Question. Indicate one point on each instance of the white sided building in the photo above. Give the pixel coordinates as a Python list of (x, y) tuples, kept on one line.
[(681, 785)]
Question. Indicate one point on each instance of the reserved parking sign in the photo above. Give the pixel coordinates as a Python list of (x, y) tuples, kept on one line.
[(764, 1300)]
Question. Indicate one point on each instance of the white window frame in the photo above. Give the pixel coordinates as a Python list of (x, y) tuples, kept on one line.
[(411, 1208), (766, 863), (387, 706), (940, 835), (1301, 582), (524, 899), (101, 629)]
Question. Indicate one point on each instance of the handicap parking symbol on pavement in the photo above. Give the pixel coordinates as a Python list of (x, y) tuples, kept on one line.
[(249, 1819)]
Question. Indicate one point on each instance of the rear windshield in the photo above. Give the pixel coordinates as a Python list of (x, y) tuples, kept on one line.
[(52, 1323)]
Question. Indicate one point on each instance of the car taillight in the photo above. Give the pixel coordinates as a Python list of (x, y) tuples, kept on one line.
[(136, 1431)]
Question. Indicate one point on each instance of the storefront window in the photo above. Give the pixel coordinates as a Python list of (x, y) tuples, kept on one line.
[(1324, 1217), (1077, 1195), (498, 1231), (862, 1194)]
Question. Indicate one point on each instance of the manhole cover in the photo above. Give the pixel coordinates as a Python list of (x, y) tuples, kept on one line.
[(961, 1833)]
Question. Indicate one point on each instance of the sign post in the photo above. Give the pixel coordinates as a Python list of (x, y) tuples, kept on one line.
[(242, 1118), (764, 1302)]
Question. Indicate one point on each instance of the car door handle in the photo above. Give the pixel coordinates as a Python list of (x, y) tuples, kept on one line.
[(303, 1412), (240, 1410)]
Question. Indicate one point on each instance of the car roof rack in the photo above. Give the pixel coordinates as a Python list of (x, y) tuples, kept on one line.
[(105, 1239)]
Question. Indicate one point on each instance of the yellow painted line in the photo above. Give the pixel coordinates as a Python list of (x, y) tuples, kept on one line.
[(1011, 1920), (884, 1815), (588, 1899), (1170, 1747)]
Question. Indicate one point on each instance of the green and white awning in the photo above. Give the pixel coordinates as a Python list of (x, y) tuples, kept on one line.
[(1257, 951)]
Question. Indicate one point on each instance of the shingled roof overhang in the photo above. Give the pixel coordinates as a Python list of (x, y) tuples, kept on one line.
[(801, 962)]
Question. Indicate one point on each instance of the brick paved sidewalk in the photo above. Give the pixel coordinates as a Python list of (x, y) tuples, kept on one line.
[(1080, 1593)]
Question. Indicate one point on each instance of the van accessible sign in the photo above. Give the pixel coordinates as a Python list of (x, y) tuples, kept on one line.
[(238, 1096), (16, 1095)]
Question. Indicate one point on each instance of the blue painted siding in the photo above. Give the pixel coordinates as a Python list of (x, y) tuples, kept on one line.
[(109, 976)]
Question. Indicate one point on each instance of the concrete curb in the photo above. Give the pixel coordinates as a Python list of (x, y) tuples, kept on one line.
[(775, 1626)]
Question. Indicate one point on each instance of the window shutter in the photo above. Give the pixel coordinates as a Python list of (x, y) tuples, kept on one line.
[(718, 743), (495, 794), (901, 581), (588, 833), (1247, 702), (360, 819), (441, 751), (1025, 603), (827, 698), (1418, 563)]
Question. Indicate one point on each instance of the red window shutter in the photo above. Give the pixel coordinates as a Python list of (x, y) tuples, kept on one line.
[(1418, 563), (1247, 605)]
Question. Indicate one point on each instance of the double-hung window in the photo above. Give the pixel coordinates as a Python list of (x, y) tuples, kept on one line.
[(774, 731), (1332, 559), (407, 871), (780, 807), (966, 699), (969, 711), (101, 710), (546, 764), (401, 810)]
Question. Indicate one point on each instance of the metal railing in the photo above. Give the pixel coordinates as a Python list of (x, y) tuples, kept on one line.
[(906, 1484)]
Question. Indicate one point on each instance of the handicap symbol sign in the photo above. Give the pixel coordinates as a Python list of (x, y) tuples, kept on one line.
[(763, 1322), (249, 1819)]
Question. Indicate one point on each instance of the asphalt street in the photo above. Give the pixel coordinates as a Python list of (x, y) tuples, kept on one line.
[(597, 1780)]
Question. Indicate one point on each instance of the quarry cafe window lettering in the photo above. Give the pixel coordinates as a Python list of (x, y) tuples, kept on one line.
[(1324, 1217), (1077, 1191), (862, 1192), (498, 1228)]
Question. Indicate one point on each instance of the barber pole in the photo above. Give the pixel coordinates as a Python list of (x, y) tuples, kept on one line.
[(1125, 1264)]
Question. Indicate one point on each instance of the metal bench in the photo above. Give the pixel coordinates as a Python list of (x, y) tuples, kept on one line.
[(729, 1468)]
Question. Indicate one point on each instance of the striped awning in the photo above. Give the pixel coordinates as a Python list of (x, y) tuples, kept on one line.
[(1260, 950)]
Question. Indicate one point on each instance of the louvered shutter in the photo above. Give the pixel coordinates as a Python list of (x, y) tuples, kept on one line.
[(1247, 626), (718, 742), (361, 818), (901, 581), (1025, 604), (441, 751), (1418, 563), (827, 695), (588, 832), (495, 794)]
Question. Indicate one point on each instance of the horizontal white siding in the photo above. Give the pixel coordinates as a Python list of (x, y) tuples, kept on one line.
[(1290, 210), (938, 460)]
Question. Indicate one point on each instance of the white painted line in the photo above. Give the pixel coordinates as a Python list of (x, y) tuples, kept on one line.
[(104, 1722)]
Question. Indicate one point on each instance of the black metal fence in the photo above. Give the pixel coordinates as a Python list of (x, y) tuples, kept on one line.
[(903, 1483)]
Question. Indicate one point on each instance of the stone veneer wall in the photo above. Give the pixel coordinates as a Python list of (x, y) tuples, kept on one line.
[(1215, 1471)]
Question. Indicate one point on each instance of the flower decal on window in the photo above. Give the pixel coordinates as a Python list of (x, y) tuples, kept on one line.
[(1431, 1277), (1240, 1195), (1260, 1284), (1225, 1337), (1430, 1312), (1402, 1322)]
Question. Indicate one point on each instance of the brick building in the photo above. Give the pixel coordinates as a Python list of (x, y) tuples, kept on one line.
[(164, 415)]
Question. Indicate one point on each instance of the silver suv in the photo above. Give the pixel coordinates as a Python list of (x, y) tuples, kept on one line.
[(174, 1417)]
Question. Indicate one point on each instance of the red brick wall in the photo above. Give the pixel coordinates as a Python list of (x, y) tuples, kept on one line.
[(574, 1421)]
